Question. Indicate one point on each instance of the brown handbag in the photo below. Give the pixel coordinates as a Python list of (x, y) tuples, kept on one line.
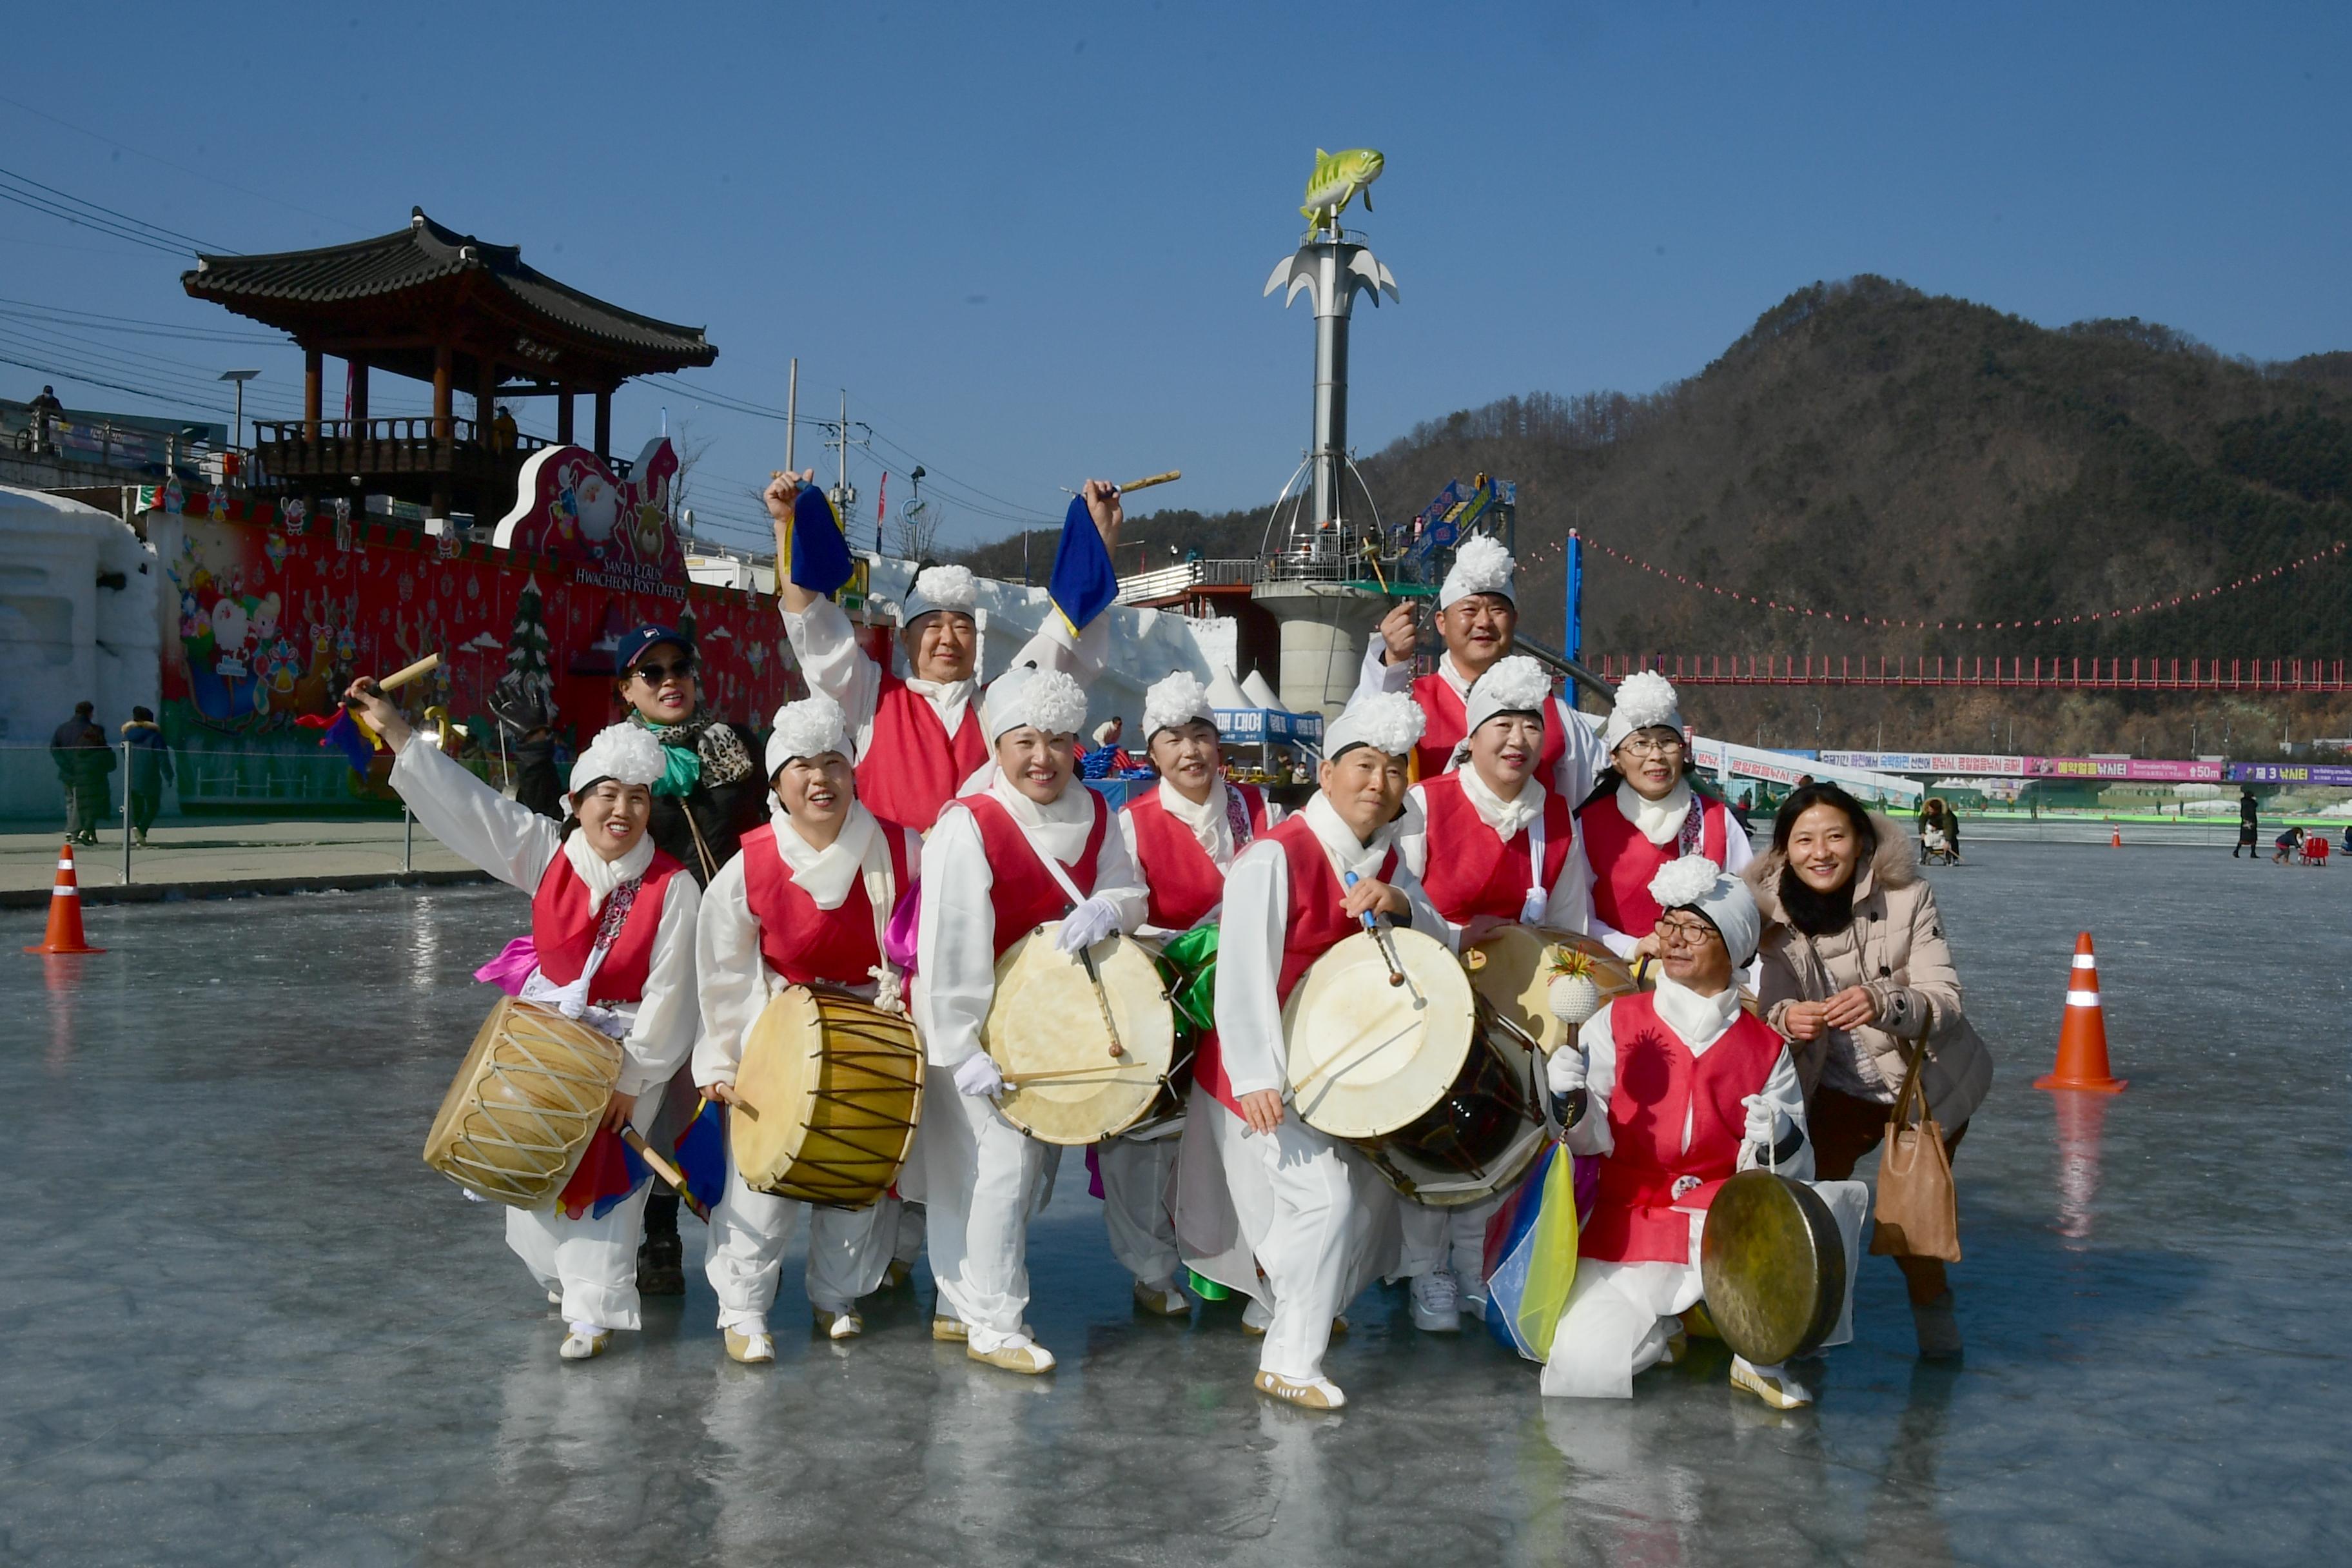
[(1918, 1212)]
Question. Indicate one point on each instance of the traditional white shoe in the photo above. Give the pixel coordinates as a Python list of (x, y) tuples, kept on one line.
[(1164, 1300), (950, 1330), (1025, 1356), (1774, 1388), (1436, 1307), (579, 1346), (753, 1349), (840, 1325), (1320, 1394)]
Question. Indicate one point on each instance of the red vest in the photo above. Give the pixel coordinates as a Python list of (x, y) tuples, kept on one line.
[(1623, 862), (1636, 1217), (801, 942), (1023, 892), (1313, 925), (1183, 882), (1447, 720), (564, 929), (913, 768), (1471, 871)]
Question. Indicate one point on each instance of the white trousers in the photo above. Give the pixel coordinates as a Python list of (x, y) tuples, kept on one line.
[(1451, 1238), (848, 1251), (591, 1262), (978, 1175), (1138, 1175)]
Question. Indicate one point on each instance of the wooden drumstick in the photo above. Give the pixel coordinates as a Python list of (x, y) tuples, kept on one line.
[(400, 677), (661, 1167), (1372, 924), (1145, 484), (1102, 1000)]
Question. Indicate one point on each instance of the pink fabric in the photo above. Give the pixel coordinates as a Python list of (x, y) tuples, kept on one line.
[(511, 967), (898, 936)]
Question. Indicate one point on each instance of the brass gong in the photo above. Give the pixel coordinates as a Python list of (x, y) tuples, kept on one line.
[(1773, 1267)]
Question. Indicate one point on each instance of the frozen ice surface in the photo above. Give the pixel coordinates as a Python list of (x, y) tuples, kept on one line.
[(243, 1323)]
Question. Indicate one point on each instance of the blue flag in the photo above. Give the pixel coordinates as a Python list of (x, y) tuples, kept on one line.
[(1084, 584), (820, 556), (701, 1154), (345, 736)]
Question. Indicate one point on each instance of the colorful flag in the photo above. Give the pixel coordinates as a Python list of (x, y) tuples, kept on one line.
[(608, 1172), (819, 554), (1531, 1256), (345, 734), (701, 1152), (1084, 584)]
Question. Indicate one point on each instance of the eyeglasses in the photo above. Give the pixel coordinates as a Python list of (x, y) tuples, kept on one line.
[(1641, 746), (655, 674), (1683, 933)]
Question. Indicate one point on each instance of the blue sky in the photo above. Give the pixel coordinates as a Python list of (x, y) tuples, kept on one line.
[(1029, 240)]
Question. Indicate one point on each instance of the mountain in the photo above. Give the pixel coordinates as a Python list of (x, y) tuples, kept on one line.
[(1869, 449)]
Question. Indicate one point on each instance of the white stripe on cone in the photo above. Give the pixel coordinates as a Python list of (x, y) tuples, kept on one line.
[(2085, 961), (65, 865), (64, 891), (2081, 998)]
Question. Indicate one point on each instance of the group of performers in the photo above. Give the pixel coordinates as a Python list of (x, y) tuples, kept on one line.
[(679, 900)]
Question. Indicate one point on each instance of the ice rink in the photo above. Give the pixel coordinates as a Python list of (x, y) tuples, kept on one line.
[(243, 1324)]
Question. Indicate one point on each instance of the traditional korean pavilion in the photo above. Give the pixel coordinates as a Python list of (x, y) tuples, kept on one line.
[(431, 304)]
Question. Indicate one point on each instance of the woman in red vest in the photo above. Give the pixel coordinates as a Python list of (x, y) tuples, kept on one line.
[(1492, 847), (1183, 834), (1311, 1211), (805, 902), (1031, 846), (1682, 1089), (1644, 815), (612, 919)]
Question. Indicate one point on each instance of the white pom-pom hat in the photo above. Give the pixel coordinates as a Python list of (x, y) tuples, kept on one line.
[(622, 753), (940, 588), (1644, 700), (1481, 566), (1174, 701), (1512, 685), (1045, 701), (809, 728), (1389, 721), (1698, 884)]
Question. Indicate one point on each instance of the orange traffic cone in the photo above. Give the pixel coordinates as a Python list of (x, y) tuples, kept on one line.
[(2083, 1036), (2115, 839), (65, 911)]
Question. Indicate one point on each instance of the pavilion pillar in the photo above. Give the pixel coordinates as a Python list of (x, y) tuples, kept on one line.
[(444, 372), (563, 416), (486, 399), (312, 368), (605, 423)]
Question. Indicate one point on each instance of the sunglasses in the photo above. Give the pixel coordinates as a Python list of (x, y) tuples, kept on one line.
[(655, 674)]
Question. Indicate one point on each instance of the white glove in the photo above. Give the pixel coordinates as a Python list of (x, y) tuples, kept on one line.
[(1087, 925), (1565, 1071), (1762, 1121), (978, 1076)]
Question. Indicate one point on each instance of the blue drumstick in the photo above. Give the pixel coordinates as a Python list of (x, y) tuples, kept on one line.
[(1372, 924)]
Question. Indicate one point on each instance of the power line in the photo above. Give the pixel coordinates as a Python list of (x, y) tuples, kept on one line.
[(99, 321), (81, 211), (177, 168)]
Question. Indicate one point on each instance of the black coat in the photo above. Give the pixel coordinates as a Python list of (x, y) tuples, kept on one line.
[(724, 814)]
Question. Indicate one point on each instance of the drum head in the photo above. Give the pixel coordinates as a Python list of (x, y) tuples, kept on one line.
[(782, 1065), (828, 1094), (1366, 1057), (1045, 1030), (1510, 968), (1773, 1267)]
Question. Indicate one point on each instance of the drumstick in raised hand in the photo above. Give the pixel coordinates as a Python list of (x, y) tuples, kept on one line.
[(1372, 924)]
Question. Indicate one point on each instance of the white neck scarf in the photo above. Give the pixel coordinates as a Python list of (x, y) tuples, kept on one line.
[(1509, 818), (601, 876), (949, 699), (1659, 821), (1340, 846), (1454, 677), (826, 875), (1211, 828), (1699, 1020), (1060, 827)]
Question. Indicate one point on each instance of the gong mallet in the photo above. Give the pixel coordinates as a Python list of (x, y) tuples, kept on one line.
[(1102, 1000), (1372, 924)]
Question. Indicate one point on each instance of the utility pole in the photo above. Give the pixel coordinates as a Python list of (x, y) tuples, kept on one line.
[(791, 415), (840, 440)]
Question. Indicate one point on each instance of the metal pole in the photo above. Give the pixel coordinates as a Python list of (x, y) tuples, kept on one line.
[(126, 811), (1575, 620), (407, 839), (791, 414), (841, 479)]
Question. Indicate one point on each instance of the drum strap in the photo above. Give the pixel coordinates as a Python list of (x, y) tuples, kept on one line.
[(1054, 867), (1237, 818), (1533, 910)]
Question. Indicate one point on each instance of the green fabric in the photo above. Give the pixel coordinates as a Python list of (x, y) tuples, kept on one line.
[(1205, 1288), (1192, 961), (681, 764)]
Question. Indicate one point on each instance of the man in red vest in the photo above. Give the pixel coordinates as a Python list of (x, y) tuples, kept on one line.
[(1478, 618), (1030, 846), (1316, 1217), (1492, 846), (804, 902), (916, 737), (1184, 834), (1681, 1089)]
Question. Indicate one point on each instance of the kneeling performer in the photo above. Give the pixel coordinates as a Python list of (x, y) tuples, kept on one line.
[(611, 918), (1682, 1089), (805, 902), (1315, 1213), (1033, 846)]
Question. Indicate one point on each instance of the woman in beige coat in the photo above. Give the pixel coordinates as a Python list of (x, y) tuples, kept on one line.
[(1857, 976)]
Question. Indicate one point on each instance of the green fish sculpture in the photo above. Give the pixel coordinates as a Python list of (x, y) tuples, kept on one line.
[(1338, 178)]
